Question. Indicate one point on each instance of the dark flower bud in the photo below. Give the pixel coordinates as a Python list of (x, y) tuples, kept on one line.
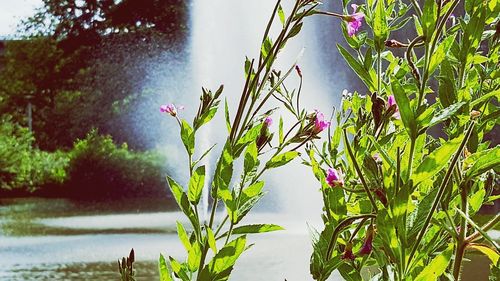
[(367, 245), (299, 72), (380, 193), (348, 255)]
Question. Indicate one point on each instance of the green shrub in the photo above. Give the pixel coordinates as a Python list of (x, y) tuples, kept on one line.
[(98, 168), (25, 167)]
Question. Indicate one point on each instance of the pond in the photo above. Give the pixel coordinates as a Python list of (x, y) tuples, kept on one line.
[(57, 239)]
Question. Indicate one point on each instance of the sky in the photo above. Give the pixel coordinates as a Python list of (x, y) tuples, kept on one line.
[(12, 11)]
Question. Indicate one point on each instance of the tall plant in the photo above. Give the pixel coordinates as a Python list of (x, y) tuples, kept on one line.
[(248, 135), (408, 165)]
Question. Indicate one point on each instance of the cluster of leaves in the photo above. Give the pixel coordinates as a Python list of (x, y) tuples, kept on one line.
[(94, 168), (409, 194), (25, 167), (98, 168), (83, 54)]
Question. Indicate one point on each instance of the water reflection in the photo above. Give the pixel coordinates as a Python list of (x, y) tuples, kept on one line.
[(54, 239)]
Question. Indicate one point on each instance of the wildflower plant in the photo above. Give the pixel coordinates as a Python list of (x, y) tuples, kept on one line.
[(408, 164), (213, 246)]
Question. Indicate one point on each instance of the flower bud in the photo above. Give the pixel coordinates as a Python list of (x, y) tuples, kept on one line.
[(367, 245), (348, 255), (475, 114), (299, 72)]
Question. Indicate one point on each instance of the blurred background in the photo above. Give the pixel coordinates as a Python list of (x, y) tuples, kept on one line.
[(84, 150)]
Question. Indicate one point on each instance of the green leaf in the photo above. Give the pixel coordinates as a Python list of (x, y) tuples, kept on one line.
[(446, 90), (407, 115), (254, 228), (249, 137), (281, 159), (182, 200), (281, 15), (187, 136), (482, 161), (281, 138), (163, 269), (295, 30), (380, 29), (490, 253), (335, 202), (196, 184), (429, 18), (387, 232), (416, 219), (226, 115), (440, 53), (183, 236), (478, 101), (211, 240), (194, 255), (251, 160), (436, 160), (222, 264), (223, 172), (178, 269), (358, 68), (437, 266), (445, 114), (206, 117), (472, 34)]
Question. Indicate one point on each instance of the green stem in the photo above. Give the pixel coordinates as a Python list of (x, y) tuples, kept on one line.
[(461, 242), (358, 171), (379, 73), (494, 221), (439, 195), (343, 224), (410, 159)]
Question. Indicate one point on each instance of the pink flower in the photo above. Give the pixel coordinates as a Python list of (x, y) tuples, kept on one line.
[(268, 121), (319, 122), (391, 101), (334, 178), (170, 109), (354, 21)]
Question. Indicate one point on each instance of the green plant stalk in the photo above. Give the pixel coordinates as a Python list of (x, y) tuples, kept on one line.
[(417, 8), (358, 171), (379, 73), (461, 241), (438, 197), (272, 54), (481, 231), (410, 159), (494, 221), (343, 224)]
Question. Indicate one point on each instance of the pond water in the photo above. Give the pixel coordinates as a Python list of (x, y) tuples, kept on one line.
[(55, 239)]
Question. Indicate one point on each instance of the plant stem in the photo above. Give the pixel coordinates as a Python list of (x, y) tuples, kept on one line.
[(461, 241), (379, 72), (343, 224), (410, 159), (494, 221), (358, 171), (440, 193)]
